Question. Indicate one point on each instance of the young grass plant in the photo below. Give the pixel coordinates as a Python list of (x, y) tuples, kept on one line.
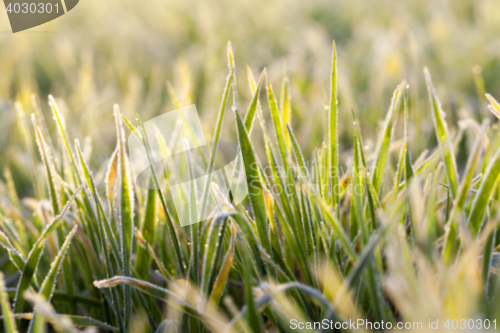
[(308, 243)]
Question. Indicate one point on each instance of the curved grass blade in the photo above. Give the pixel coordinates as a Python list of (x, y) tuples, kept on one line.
[(50, 281), (35, 253), (79, 321), (60, 323), (494, 106), (484, 193), (14, 255)]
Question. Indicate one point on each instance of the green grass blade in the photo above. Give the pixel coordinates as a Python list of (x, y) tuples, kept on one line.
[(255, 191), (14, 255), (223, 275), (298, 153), (34, 256), (126, 215), (442, 135), (178, 253), (384, 144), (253, 317), (62, 131), (42, 146), (215, 140), (484, 194), (213, 251), (333, 145), (408, 163), (148, 229), (458, 205), (50, 281), (9, 323)]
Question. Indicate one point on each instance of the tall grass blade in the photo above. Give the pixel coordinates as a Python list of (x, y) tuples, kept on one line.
[(384, 144), (126, 214), (442, 135), (333, 117)]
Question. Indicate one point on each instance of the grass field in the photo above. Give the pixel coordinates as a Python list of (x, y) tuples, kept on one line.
[(386, 142)]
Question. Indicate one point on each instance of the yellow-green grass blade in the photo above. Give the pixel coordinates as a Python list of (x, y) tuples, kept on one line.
[(34, 256), (125, 214), (49, 283), (333, 145), (252, 108), (253, 88), (384, 144), (443, 135), (286, 105), (9, 323), (494, 106)]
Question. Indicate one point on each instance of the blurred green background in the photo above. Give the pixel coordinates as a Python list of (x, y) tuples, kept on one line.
[(106, 52)]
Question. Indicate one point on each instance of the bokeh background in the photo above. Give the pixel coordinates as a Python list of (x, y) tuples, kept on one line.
[(125, 51)]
